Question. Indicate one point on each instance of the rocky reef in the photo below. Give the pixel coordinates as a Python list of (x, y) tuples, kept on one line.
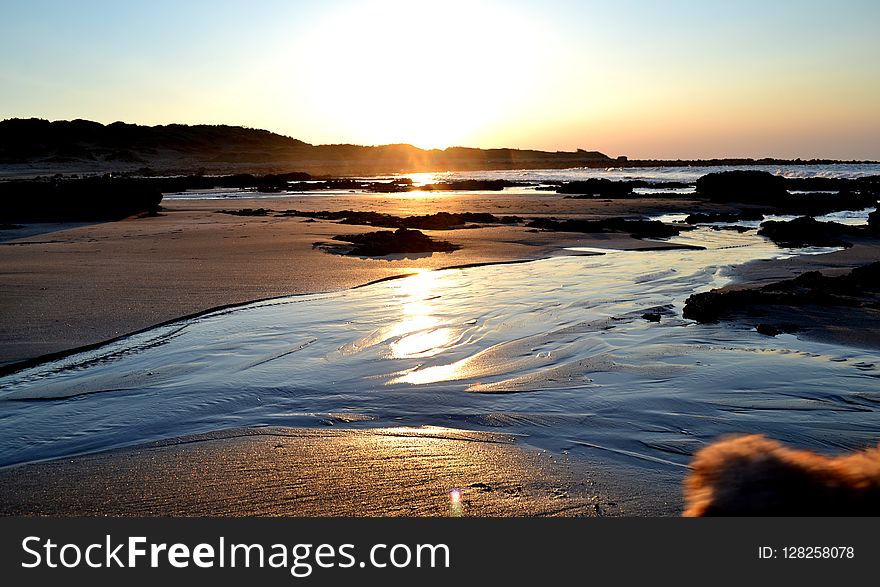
[(387, 242), (711, 217), (859, 288), (773, 192), (438, 221), (806, 232), (635, 228), (90, 199)]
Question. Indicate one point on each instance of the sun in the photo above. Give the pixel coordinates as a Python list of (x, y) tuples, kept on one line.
[(428, 74)]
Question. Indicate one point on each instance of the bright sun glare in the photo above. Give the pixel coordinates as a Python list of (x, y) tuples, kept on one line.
[(428, 74)]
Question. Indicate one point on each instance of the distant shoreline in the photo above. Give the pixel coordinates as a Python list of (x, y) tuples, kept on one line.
[(342, 169), (35, 147)]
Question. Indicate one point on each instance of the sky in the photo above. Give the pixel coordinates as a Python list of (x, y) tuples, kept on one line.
[(665, 79)]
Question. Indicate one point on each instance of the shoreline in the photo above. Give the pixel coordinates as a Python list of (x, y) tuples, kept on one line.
[(82, 271), (276, 471), (181, 165), (80, 285), (317, 471), (10, 368)]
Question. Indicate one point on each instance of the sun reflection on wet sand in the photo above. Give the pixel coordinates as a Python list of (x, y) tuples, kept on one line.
[(419, 330), (416, 333), (431, 348), (272, 471), (452, 372)]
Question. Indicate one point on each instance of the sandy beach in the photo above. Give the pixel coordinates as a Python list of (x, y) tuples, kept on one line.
[(68, 286), (100, 281), (104, 280), (308, 472)]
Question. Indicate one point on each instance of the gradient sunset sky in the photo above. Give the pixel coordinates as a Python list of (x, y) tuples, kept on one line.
[(675, 79)]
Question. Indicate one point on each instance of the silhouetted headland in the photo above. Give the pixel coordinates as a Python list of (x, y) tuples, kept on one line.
[(36, 146), (82, 145)]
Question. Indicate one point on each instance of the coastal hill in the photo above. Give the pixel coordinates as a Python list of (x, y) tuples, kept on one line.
[(38, 145)]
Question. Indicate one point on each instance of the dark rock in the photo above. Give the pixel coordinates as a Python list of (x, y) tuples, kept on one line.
[(112, 197), (711, 306), (710, 217), (858, 288), (765, 189), (870, 184), (446, 220), (471, 184), (600, 187), (651, 316), (874, 222), (707, 217), (636, 228), (806, 231), (402, 185), (767, 330), (735, 228), (742, 186), (386, 242), (438, 221), (668, 185), (824, 203), (64, 200), (247, 212), (596, 187), (329, 184)]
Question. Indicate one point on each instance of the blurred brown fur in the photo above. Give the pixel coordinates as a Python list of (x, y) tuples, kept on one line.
[(756, 476)]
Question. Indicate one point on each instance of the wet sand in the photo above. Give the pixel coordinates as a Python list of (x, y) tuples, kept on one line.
[(68, 286), (94, 282), (308, 472)]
